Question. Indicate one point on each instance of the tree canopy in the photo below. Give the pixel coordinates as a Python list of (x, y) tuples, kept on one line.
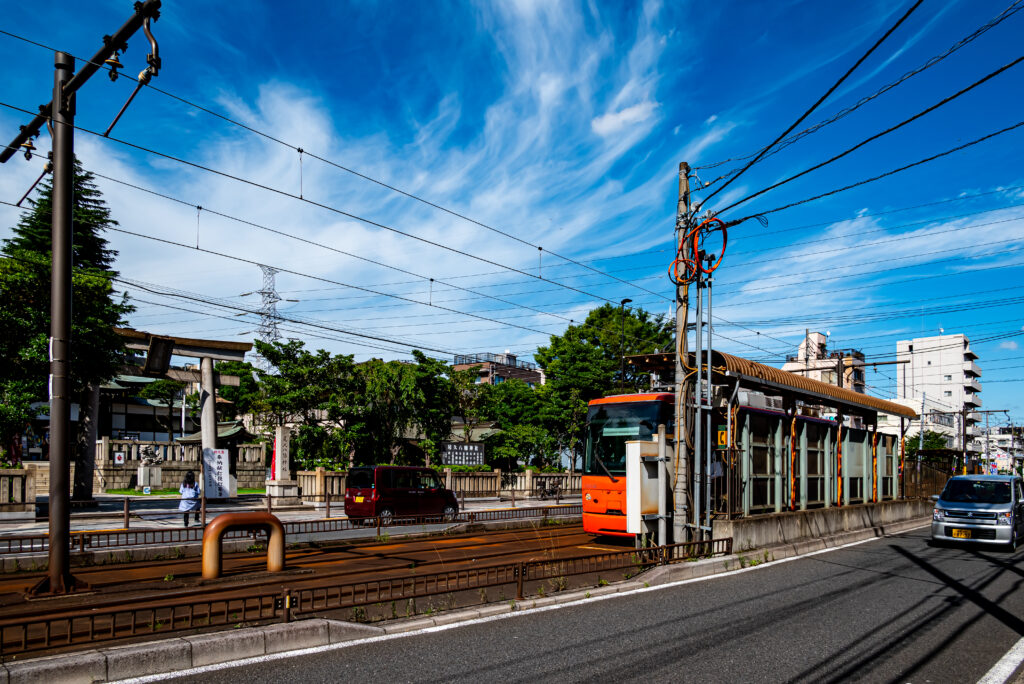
[(96, 350), (401, 411)]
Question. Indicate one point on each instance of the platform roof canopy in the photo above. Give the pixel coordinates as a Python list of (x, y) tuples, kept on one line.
[(753, 375)]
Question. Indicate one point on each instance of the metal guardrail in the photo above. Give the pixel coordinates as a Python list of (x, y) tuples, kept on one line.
[(125, 538), (69, 628)]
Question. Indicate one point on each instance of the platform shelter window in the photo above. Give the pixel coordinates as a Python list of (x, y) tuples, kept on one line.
[(763, 453), (815, 437)]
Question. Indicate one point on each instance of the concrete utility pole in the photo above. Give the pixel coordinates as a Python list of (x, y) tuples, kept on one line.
[(680, 520), (920, 437), (987, 466), (60, 114)]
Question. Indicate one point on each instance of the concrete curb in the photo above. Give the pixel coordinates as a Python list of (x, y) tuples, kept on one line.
[(180, 653), (176, 654)]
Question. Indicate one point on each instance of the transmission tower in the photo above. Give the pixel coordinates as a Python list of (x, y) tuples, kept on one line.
[(268, 331)]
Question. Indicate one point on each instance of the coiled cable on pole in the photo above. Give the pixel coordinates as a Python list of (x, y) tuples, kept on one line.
[(689, 263)]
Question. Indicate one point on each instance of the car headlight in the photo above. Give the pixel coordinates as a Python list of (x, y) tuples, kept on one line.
[(1004, 518), (938, 514)]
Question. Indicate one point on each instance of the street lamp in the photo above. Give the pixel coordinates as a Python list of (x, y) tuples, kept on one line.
[(622, 341)]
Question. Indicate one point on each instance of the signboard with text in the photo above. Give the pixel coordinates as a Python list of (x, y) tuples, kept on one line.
[(218, 482), (462, 453)]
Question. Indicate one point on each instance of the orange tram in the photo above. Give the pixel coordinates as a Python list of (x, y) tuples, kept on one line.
[(772, 442)]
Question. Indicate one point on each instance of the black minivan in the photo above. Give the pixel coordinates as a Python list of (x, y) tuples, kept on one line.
[(390, 491)]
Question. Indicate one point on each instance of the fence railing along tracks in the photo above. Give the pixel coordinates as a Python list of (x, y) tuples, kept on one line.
[(92, 540), (84, 627)]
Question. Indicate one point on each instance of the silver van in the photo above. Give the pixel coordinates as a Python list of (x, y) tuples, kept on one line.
[(980, 508)]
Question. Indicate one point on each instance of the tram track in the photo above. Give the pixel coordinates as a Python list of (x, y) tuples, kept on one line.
[(173, 581)]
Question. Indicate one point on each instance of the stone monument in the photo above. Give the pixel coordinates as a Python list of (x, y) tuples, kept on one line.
[(150, 473), (281, 487)]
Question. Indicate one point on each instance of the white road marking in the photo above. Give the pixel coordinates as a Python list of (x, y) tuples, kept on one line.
[(1006, 666), (255, 660)]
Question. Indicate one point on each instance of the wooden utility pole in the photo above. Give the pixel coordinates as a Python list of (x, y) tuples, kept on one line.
[(681, 517)]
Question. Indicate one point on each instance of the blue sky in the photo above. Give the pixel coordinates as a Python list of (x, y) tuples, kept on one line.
[(561, 124)]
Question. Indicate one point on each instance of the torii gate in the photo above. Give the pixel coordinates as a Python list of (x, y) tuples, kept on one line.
[(159, 350)]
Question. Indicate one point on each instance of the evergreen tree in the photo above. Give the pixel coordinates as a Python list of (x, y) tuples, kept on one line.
[(90, 217), (96, 350)]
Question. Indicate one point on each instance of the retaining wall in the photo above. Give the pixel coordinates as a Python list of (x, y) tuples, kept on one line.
[(783, 528)]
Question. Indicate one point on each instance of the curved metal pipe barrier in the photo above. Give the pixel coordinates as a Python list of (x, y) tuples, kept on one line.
[(214, 532)]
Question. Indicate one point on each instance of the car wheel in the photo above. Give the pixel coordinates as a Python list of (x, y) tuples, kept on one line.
[(1014, 540), (387, 516), (449, 513)]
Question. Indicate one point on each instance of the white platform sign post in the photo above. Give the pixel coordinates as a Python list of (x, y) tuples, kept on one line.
[(649, 473), (218, 481)]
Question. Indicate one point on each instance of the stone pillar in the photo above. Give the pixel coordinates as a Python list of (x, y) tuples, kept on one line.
[(282, 488), (207, 405), (529, 483), (321, 482)]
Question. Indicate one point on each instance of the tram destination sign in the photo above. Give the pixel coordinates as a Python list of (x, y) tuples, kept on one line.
[(462, 453)]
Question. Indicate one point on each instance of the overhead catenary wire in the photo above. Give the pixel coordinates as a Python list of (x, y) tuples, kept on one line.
[(1012, 9), (874, 137), (320, 205), (814, 106), (301, 151), (872, 179)]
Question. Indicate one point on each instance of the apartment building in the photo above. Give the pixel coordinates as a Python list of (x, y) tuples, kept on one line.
[(497, 368), (943, 371), (842, 367)]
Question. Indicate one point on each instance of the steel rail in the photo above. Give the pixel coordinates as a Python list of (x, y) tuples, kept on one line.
[(85, 627), (91, 540)]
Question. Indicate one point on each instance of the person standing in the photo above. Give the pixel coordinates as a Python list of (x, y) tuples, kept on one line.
[(189, 496)]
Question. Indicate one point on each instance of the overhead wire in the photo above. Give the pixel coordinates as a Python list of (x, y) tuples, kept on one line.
[(814, 106), (319, 205), (865, 181), (302, 151), (874, 137), (1012, 9)]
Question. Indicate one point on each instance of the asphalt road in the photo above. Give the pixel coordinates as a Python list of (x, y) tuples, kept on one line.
[(888, 610)]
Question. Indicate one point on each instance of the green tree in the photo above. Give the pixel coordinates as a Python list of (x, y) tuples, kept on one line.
[(585, 362), (530, 443), (434, 403), (314, 390), (389, 398), (470, 400), (96, 349), (245, 397), (165, 391), (932, 440)]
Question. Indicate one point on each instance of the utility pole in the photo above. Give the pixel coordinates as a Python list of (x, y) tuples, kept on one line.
[(622, 342), (680, 519), (920, 437), (963, 435), (59, 577), (987, 465), (59, 114)]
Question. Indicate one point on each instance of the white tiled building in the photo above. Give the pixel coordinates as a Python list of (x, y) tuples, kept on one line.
[(943, 370)]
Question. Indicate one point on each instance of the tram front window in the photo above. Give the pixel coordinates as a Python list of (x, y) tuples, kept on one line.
[(610, 426)]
